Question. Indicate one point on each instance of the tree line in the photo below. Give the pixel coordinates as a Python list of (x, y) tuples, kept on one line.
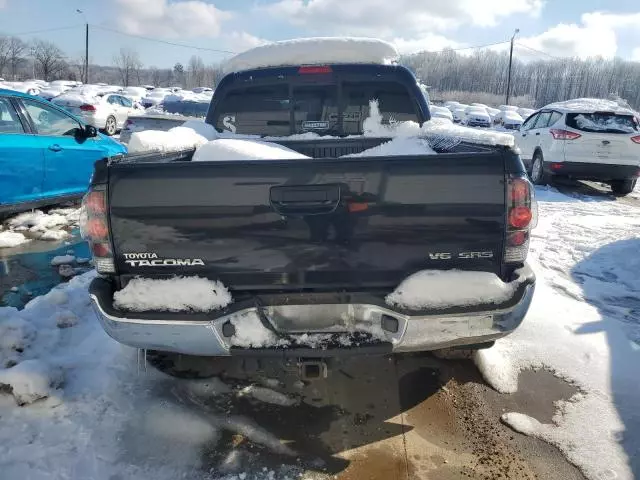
[(536, 82), (480, 77)]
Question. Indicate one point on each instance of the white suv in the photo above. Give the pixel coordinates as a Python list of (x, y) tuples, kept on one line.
[(585, 139)]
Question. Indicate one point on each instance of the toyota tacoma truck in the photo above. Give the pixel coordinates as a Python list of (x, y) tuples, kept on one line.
[(313, 247)]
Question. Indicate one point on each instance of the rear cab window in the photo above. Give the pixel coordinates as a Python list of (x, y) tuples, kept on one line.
[(602, 122), (326, 105)]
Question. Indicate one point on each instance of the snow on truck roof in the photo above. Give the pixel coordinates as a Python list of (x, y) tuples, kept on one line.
[(314, 51), (590, 105)]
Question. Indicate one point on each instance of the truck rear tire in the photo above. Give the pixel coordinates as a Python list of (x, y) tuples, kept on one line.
[(186, 366), (623, 187)]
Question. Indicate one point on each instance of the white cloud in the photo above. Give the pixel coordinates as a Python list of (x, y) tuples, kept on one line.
[(192, 18), (241, 41), (635, 54), (3, 3), (430, 43), (571, 40), (384, 18)]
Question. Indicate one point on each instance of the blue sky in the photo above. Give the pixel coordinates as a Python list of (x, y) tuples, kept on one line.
[(556, 27)]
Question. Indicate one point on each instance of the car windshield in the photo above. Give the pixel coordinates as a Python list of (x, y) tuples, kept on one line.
[(602, 122)]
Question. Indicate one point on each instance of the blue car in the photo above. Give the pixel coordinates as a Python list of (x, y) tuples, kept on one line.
[(46, 154)]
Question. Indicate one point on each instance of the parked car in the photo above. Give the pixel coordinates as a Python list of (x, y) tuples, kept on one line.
[(459, 115), (107, 112), (587, 139), (525, 112), (441, 112), (46, 154), (313, 245), (476, 116), (510, 120), (142, 122)]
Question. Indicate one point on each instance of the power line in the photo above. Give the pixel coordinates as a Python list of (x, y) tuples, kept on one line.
[(539, 51), (163, 41), (43, 30), (462, 48)]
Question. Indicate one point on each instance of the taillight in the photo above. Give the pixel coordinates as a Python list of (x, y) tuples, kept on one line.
[(521, 218), (87, 108), (94, 227), (636, 139), (559, 134), (318, 69)]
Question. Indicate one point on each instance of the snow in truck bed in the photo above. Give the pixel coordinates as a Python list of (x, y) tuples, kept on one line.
[(314, 51)]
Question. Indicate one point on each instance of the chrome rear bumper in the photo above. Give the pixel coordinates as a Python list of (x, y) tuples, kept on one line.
[(199, 334)]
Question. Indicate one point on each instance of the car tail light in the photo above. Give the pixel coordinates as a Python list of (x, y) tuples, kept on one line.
[(521, 218), (559, 134), (87, 108), (94, 227), (310, 70), (636, 139)]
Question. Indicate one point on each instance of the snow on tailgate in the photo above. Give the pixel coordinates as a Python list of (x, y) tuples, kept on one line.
[(437, 288), (177, 294), (314, 51)]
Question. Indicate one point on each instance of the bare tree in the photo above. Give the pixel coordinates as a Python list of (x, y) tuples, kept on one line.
[(4, 53), (196, 76), (80, 67), (154, 75), (128, 64), (49, 59), (15, 54)]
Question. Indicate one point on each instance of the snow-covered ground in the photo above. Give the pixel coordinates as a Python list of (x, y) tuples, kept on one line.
[(88, 413), (53, 225)]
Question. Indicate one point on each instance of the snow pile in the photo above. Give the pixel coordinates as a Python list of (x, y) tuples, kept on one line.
[(178, 294), (604, 123), (51, 226), (438, 288), (582, 326), (188, 96), (77, 98), (31, 380), (187, 136), (373, 127), (9, 239), (591, 105), (398, 146), (232, 149), (250, 333), (438, 127), (314, 51)]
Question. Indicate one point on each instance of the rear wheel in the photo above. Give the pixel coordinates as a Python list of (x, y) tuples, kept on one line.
[(623, 187), (538, 175), (111, 126)]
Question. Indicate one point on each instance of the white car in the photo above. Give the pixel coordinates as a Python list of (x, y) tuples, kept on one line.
[(504, 108), (586, 139), (440, 112), (459, 115), (108, 112), (477, 117), (511, 120), (525, 112), (452, 105)]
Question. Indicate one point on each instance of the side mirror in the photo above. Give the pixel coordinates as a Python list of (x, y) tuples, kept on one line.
[(90, 131)]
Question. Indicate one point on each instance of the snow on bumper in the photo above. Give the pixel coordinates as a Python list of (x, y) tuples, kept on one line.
[(393, 330)]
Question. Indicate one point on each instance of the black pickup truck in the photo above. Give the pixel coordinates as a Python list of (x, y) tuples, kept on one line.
[(314, 246)]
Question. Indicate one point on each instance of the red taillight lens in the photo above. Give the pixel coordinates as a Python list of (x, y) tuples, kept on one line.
[(97, 228), (101, 250), (517, 239), (559, 134), (636, 139), (95, 202), (519, 191), (357, 207), (310, 70), (87, 108), (556, 166), (520, 217)]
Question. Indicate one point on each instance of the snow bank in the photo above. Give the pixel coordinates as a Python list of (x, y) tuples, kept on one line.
[(373, 127), (591, 105), (10, 239), (31, 380), (179, 294), (437, 289), (314, 51), (232, 149)]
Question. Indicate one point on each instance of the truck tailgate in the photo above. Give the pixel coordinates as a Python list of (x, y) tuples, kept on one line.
[(317, 224)]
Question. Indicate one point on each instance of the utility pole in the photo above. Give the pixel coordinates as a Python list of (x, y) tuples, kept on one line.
[(510, 65), (86, 46)]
